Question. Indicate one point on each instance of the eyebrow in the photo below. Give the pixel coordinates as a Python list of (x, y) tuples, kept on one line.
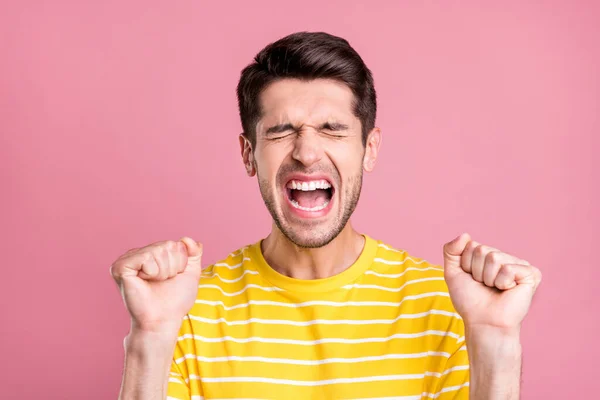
[(333, 126), (280, 128)]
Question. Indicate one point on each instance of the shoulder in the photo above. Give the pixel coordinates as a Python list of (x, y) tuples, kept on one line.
[(227, 270), (422, 284), (397, 260), (233, 261), (419, 281), (230, 279)]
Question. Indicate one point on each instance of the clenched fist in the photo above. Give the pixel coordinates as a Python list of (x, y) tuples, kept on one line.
[(487, 286), (159, 283)]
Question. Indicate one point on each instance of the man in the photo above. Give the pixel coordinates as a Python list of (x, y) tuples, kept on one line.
[(317, 310)]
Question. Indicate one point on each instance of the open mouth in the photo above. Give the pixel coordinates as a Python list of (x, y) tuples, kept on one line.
[(309, 196)]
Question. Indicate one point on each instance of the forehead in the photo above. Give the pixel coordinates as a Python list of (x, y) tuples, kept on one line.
[(306, 102)]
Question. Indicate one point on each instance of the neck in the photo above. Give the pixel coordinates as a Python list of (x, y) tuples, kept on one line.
[(312, 263)]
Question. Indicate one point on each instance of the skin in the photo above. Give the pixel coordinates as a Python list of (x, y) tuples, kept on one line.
[(492, 290)]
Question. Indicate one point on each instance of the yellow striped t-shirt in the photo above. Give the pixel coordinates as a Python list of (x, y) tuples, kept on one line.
[(384, 328)]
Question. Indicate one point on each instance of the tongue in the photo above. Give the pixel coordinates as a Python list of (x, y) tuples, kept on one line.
[(311, 199)]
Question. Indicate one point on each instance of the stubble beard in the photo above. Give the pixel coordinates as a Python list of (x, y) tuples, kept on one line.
[(319, 236)]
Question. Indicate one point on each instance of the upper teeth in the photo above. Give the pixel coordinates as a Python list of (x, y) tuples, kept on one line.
[(308, 185)]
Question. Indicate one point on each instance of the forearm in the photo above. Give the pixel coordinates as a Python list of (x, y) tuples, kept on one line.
[(495, 363), (148, 358)]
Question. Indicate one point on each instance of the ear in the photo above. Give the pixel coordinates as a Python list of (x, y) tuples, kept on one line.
[(372, 149), (247, 155)]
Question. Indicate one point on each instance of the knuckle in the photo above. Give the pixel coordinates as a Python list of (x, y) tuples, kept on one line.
[(147, 256), (132, 250), (479, 251), (506, 268), (183, 250), (473, 244), (113, 270), (160, 252), (170, 245), (116, 269), (493, 257)]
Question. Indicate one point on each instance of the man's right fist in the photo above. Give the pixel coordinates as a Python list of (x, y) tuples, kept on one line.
[(159, 283)]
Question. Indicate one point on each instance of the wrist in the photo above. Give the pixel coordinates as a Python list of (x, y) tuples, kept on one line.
[(140, 341), (164, 328), (493, 340)]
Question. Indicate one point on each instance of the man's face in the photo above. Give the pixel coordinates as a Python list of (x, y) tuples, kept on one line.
[(309, 158)]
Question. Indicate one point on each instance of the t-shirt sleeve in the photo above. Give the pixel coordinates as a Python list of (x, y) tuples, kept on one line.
[(184, 377), (453, 382)]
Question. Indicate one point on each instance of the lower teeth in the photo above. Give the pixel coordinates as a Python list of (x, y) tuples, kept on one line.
[(317, 208)]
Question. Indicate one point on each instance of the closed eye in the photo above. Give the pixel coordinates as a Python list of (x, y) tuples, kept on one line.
[(334, 127), (279, 131), (334, 130)]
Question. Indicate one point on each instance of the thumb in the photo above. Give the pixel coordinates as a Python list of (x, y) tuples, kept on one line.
[(194, 250), (453, 250)]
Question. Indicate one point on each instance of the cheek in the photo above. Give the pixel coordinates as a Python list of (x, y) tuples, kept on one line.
[(268, 160), (348, 160)]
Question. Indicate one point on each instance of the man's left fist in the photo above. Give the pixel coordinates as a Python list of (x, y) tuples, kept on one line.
[(487, 286)]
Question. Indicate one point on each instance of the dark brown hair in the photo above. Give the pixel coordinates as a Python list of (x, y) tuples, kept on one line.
[(307, 56)]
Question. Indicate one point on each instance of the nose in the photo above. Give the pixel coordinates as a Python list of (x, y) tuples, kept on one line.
[(307, 148)]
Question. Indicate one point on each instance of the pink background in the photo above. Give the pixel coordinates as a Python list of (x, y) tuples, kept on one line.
[(119, 126)]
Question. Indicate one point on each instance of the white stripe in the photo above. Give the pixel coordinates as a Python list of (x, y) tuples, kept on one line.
[(248, 286), (232, 266), (238, 252), (460, 340), (416, 397), (258, 339), (389, 289), (175, 380), (419, 397), (446, 389), (339, 360), (214, 274), (403, 272), (252, 379), (323, 303), (312, 383), (195, 397), (391, 249), (446, 372), (323, 321), (390, 262)]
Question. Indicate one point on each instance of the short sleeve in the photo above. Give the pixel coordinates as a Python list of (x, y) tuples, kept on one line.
[(184, 378), (453, 381)]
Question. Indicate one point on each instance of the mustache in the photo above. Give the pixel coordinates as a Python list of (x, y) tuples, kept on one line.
[(298, 168)]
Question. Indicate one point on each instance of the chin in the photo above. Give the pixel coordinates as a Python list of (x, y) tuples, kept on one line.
[(309, 237)]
